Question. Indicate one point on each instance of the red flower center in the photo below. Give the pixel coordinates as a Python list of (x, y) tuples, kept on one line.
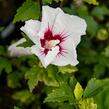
[(49, 41)]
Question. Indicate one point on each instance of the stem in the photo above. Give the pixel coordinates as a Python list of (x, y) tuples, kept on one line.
[(76, 105), (40, 6), (61, 4)]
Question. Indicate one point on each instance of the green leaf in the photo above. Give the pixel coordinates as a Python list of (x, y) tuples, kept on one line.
[(67, 69), (100, 12), (103, 97), (94, 86), (89, 56), (13, 80), (32, 76), (62, 93), (87, 104), (24, 96), (37, 73), (25, 44), (92, 25), (78, 91), (82, 11), (5, 65), (99, 70), (70, 10), (57, 95), (29, 10), (72, 82), (103, 60), (94, 2)]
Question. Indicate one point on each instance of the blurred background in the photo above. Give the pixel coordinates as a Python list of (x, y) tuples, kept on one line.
[(7, 11), (93, 53)]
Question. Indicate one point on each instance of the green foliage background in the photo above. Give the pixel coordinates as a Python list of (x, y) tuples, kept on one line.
[(30, 86)]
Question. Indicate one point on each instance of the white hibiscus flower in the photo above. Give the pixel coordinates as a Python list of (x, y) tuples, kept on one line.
[(55, 38)]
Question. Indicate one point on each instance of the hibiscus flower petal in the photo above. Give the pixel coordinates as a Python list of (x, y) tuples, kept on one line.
[(51, 55), (70, 25), (45, 60), (38, 52), (48, 18), (31, 28), (14, 50), (68, 56)]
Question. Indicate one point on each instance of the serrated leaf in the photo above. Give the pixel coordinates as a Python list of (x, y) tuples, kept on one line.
[(62, 93), (67, 69), (36, 74), (28, 10), (78, 91), (94, 86), (87, 104), (31, 75), (57, 95)]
